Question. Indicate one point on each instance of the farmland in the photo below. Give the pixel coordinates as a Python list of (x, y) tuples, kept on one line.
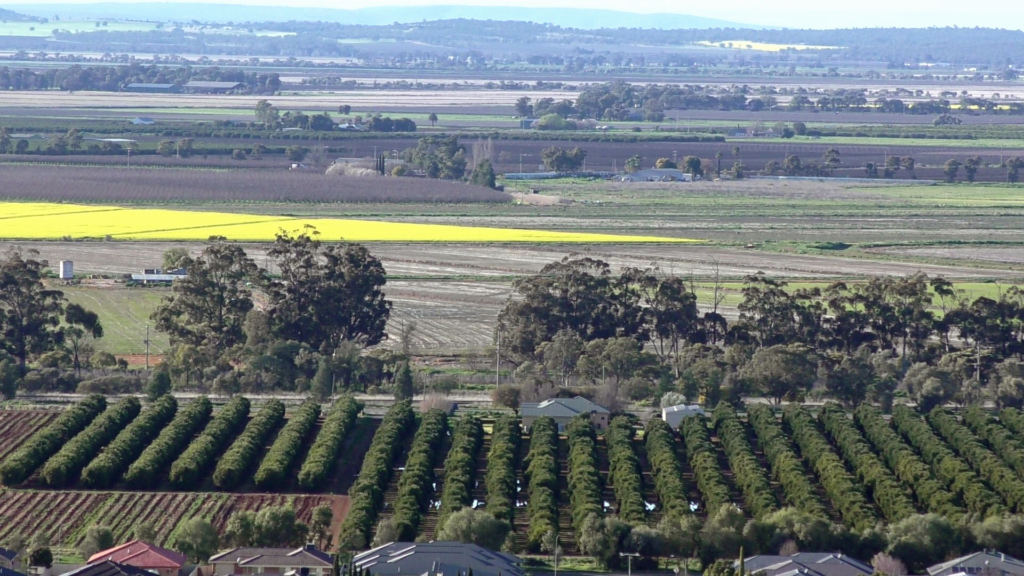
[(746, 458)]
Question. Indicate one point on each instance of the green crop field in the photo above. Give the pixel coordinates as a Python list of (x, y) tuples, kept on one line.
[(45, 29)]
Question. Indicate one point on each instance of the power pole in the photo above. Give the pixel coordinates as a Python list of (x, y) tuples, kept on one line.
[(497, 362), (147, 346)]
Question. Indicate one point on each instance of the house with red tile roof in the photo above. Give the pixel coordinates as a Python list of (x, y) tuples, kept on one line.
[(146, 556)]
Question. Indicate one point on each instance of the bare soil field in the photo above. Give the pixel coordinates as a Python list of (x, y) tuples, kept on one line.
[(16, 426), (1005, 255), (379, 99)]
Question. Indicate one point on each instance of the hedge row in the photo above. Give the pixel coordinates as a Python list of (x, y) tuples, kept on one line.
[(906, 464), (63, 467), (946, 465), (624, 470), (1013, 419), (786, 465), (366, 494), (987, 464), (19, 466), (840, 485), (460, 468), (747, 471), (585, 492), (189, 468), (106, 468), (502, 487), (541, 471), (323, 456), (891, 497), (416, 483), (243, 452), (703, 457), (998, 437), (277, 464), (665, 469)]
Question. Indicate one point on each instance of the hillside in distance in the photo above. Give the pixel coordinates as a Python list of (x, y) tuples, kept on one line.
[(588, 19)]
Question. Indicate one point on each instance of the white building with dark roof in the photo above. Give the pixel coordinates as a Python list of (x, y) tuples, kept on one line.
[(987, 563), (305, 561), (806, 564), (674, 415), (563, 410), (437, 559)]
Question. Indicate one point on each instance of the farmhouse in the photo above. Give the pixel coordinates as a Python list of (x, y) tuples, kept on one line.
[(673, 415), (305, 561), (987, 563), (197, 87), (806, 564), (658, 175), (563, 410), (147, 88), (139, 554), (437, 559)]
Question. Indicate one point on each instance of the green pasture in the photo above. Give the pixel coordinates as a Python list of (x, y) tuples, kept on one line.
[(124, 314), (994, 143)]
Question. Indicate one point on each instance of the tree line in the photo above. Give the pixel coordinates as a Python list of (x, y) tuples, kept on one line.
[(640, 335)]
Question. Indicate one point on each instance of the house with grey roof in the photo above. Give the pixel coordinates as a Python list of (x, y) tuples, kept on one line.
[(437, 559), (10, 559), (806, 564), (987, 563), (674, 415), (8, 572), (108, 568), (305, 561), (562, 411)]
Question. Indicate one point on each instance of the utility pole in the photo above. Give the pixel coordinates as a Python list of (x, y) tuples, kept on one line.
[(147, 346), (629, 561), (497, 362), (556, 554)]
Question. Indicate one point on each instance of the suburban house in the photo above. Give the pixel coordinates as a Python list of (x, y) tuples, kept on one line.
[(108, 568), (674, 415), (437, 559), (305, 561), (10, 559), (562, 410), (151, 558), (987, 563), (806, 564)]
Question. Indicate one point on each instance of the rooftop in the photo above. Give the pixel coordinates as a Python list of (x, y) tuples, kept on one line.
[(142, 555), (561, 407), (308, 555), (987, 559), (447, 558), (807, 564), (108, 568), (213, 85), (7, 554)]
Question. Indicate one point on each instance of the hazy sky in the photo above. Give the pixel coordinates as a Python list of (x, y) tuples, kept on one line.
[(789, 13)]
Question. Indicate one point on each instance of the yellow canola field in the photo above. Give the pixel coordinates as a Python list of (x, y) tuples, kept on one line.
[(41, 221)]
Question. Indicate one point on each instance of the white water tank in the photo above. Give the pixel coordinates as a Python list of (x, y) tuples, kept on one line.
[(67, 270)]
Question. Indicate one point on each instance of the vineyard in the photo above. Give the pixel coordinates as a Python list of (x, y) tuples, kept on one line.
[(412, 471)]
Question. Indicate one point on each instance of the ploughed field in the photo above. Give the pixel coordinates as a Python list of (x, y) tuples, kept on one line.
[(856, 467)]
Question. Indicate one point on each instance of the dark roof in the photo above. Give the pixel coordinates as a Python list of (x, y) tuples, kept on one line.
[(307, 556), (9, 572), (807, 564), (8, 554), (446, 558), (995, 561), (150, 85), (213, 85), (108, 568), (561, 407)]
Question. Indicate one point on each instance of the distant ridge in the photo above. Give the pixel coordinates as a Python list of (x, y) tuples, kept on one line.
[(10, 16), (584, 18)]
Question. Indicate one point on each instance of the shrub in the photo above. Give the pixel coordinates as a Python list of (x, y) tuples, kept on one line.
[(747, 470), (415, 484), (501, 468), (19, 466), (106, 468), (273, 471), (786, 466), (63, 468), (704, 461), (585, 492), (367, 493), (541, 471), (190, 468), (624, 470), (242, 454), (460, 468), (324, 454), (666, 470)]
